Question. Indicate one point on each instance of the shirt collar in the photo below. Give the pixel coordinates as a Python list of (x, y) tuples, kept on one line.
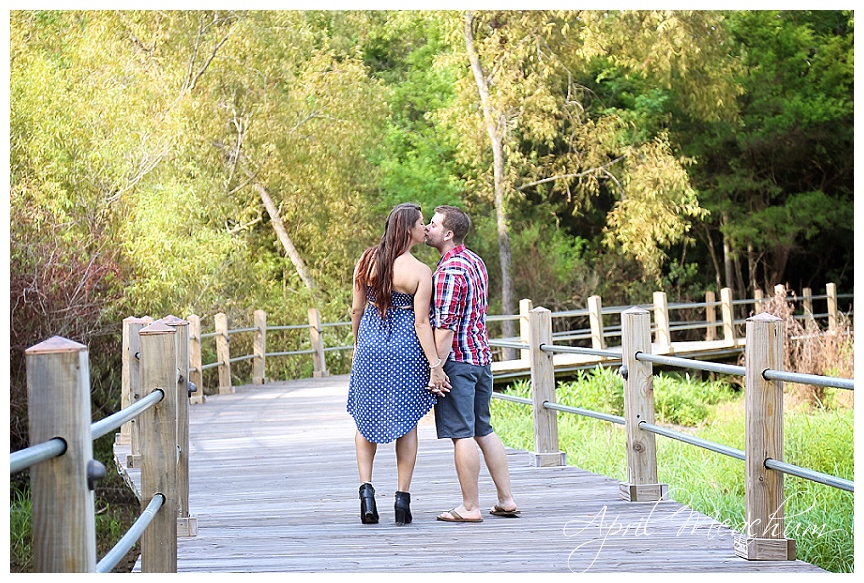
[(454, 251)]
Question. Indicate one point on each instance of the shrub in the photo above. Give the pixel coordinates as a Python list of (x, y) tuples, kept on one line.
[(683, 400), (811, 350)]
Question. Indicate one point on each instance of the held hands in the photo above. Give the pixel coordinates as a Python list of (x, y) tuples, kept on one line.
[(439, 382)]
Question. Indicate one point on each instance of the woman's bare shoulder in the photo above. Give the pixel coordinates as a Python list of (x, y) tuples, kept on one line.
[(408, 272), (420, 266), (408, 261)]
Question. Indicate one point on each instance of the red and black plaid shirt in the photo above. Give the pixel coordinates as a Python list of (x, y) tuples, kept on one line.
[(459, 302)]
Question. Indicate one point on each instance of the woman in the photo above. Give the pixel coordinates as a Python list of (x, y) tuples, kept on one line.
[(395, 365)]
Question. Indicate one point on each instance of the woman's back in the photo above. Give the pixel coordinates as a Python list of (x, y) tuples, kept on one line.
[(408, 272)]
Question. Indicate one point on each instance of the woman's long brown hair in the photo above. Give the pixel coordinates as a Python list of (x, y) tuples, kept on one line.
[(375, 268)]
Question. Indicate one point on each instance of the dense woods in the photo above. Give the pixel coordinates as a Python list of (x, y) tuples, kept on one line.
[(179, 162)]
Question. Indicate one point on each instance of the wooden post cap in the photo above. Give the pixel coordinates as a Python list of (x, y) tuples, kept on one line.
[(157, 327), (763, 317), (56, 344)]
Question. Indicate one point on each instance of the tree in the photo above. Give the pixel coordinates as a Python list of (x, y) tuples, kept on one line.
[(277, 124), (550, 138), (495, 124), (296, 120), (417, 161), (779, 182)]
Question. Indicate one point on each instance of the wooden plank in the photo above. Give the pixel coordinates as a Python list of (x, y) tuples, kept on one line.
[(274, 482)]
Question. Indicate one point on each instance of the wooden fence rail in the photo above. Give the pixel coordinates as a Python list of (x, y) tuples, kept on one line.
[(765, 532), (601, 327)]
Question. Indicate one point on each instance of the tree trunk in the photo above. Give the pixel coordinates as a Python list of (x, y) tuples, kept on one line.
[(740, 286), (779, 260), (752, 263), (728, 268), (284, 238), (714, 259), (492, 125)]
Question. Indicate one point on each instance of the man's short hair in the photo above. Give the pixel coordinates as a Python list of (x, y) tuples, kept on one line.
[(456, 220)]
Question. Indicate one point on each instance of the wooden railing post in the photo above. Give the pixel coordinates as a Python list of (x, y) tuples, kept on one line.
[(765, 530), (758, 296), (196, 374), (642, 484), (63, 513), (807, 298), (317, 342), (546, 451), (159, 447), (260, 348), (661, 319), (130, 387), (831, 291), (525, 307), (728, 311), (710, 316), (780, 293), (187, 525), (223, 353), (595, 315)]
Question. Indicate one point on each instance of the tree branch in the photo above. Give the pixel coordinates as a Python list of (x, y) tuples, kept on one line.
[(577, 175), (146, 166), (284, 238), (193, 81)]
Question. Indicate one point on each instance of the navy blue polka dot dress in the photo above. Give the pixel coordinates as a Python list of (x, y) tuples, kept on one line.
[(387, 394)]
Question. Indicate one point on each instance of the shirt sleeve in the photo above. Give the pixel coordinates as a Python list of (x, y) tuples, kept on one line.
[(449, 286)]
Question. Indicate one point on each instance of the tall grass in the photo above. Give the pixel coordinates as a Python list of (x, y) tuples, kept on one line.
[(818, 517), (20, 553)]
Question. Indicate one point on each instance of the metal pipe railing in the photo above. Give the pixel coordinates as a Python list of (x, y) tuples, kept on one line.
[(809, 379), (691, 364), (30, 456), (108, 424), (128, 540), (811, 475)]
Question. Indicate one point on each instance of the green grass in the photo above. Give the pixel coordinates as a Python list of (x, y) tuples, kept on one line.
[(20, 554), (818, 517), (116, 511)]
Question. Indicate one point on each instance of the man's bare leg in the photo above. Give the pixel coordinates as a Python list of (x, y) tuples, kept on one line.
[(467, 460), (496, 462)]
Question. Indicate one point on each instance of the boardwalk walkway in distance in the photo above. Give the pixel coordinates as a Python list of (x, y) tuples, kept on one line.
[(273, 484)]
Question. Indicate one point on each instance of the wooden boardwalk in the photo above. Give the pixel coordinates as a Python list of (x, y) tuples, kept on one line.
[(273, 485)]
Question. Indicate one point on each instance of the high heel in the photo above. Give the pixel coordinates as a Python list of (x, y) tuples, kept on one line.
[(402, 508), (368, 508)]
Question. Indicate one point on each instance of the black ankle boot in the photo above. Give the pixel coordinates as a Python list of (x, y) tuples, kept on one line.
[(402, 507), (368, 508)]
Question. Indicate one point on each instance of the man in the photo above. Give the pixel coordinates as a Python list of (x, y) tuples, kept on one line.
[(458, 315)]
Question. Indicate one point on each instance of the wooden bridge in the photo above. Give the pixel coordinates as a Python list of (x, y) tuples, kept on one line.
[(263, 478), (273, 488)]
